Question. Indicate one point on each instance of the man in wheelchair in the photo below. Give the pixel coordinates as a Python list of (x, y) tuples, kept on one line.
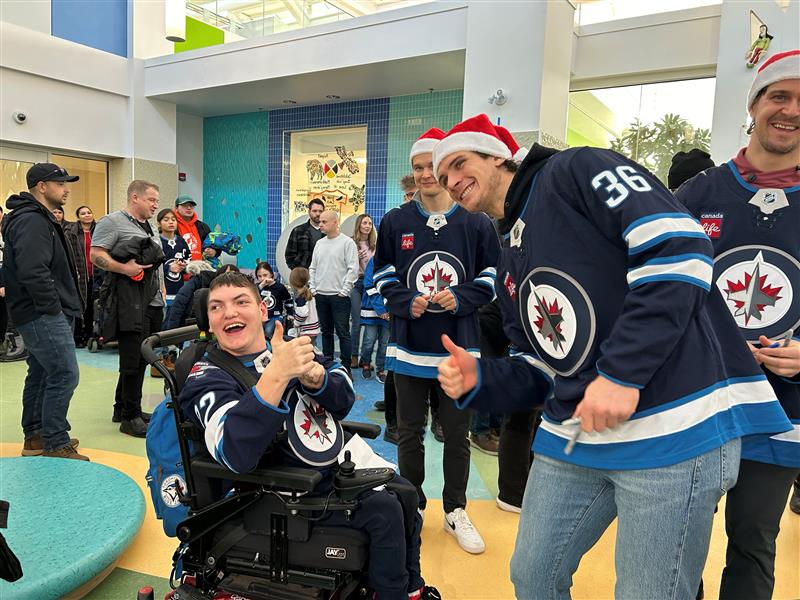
[(298, 398)]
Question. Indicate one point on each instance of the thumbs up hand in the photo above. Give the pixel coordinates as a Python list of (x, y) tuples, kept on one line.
[(458, 373)]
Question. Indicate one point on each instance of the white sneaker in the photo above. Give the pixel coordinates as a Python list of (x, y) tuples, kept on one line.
[(508, 507), (458, 525)]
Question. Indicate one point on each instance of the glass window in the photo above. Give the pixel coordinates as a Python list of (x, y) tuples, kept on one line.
[(12, 177), (90, 190), (613, 10), (648, 123)]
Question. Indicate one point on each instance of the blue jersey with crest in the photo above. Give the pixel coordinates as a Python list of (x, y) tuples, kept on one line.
[(239, 425), (420, 254), (604, 273), (757, 274)]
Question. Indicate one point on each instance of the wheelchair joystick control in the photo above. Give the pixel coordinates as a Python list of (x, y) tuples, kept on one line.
[(348, 467)]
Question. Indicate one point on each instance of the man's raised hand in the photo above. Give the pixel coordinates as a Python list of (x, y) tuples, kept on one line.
[(458, 373)]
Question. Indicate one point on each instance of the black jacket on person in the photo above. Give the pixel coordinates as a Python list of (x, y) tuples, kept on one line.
[(301, 245), (181, 308), (39, 272), (124, 300), (73, 233)]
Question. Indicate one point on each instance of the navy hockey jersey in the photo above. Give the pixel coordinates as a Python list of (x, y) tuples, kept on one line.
[(278, 299), (239, 425), (756, 272), (604, 273), (372, 304), (174, 249), (419, 253)]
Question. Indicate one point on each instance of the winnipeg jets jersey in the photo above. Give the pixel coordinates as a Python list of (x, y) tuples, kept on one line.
[(756, 238), (239, 425), (604, 273), (420, 254)]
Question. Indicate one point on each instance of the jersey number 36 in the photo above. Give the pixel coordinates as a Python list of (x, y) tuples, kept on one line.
[(619, 190)]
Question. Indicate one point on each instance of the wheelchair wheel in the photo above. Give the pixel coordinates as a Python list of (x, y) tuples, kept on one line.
[(92, 345), (13, 348)]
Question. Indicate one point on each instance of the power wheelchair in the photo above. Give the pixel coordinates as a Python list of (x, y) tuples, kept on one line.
[(261, 541)]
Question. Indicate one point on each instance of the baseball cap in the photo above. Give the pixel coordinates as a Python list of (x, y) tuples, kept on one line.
[(184, 200), (47, 172)]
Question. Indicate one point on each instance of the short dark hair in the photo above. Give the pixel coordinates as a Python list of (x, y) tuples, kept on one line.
[(316, 201), (508, 164), (407, 182), (265, 266), (234, 279), (161, 214)]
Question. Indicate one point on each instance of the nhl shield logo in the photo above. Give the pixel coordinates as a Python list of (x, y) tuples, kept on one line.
[(558, 318), (758, 283), (434, 272)]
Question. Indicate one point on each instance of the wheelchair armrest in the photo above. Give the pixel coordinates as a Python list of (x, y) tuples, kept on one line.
[(366, 430), (287, 478)]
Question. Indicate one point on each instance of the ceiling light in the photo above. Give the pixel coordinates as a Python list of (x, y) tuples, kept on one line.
[(175, 20), (333, 97)]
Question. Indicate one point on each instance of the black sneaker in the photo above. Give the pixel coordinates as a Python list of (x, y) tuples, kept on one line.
[(438, 432), (146, 416), (380, 406), (391, 435), (366, 371), (135, 427), (794, 503)]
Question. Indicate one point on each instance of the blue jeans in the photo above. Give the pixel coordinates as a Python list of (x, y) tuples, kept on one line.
[(483, 422), (355, 314), (372, 333), (663, 531), (52, 378), (334, 313)]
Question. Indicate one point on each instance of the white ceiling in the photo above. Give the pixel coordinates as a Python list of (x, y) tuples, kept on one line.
[(444, 71)]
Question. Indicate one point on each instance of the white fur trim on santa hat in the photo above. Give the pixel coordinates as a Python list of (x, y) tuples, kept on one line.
[(423, 146), (472, 141), (778, 67)]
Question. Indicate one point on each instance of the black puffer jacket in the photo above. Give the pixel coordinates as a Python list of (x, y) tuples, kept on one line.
[(124, 300), (38, 268)]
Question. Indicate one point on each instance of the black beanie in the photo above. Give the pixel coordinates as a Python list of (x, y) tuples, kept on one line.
[(686, 165)]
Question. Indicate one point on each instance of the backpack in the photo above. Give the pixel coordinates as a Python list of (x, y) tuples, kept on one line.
[(166, 477)]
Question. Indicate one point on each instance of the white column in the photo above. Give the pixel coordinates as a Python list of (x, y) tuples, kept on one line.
[(525, 49), (733, 77)]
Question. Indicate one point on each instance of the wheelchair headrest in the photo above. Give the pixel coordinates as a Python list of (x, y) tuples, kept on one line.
[(200, 308)]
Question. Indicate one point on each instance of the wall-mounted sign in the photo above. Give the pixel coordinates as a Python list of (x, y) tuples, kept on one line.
[(329, 164)]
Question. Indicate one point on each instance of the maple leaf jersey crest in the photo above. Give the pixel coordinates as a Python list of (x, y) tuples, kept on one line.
[(758, 285), (558, 318), (434, 272), (314, 436)]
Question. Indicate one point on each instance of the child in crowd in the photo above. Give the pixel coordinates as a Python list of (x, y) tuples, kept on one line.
[(375, 320), (306, 321), (176, 253), (275, 295)]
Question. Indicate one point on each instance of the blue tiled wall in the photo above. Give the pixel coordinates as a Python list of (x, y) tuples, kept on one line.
[(372, 113), (246, 159), (102, 25), (235, 181)]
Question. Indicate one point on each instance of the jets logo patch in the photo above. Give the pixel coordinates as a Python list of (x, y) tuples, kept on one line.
[(434, 272), (558, 318), (314, 436), (758, 284)]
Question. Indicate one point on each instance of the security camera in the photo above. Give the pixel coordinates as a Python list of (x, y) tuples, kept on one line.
[(20, 117)]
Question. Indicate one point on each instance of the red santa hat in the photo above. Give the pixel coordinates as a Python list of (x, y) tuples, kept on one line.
[(478, 134), (426, 142), (785, 65)]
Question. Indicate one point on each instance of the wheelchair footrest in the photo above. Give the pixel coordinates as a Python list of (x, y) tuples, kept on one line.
[(302, 585)]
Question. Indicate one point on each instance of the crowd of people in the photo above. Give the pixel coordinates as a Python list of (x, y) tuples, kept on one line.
[(628, 350)]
